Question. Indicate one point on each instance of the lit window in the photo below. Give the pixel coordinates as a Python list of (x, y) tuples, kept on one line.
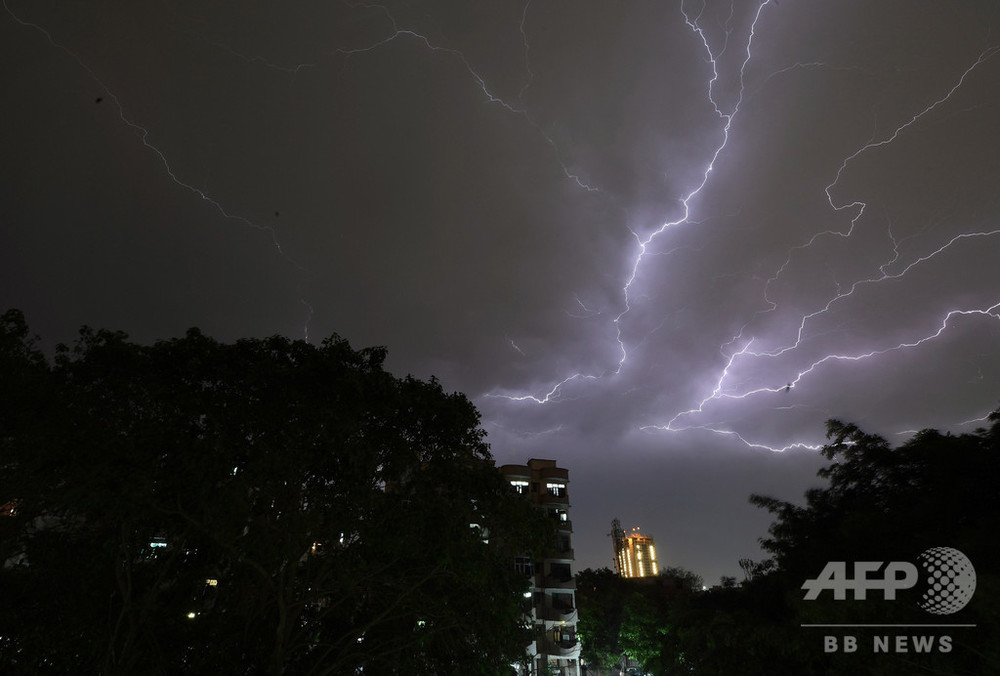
[(558, 490), (520, 487)]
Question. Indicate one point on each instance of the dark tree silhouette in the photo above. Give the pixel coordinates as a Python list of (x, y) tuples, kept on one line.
[(267, 506), (878, 503)]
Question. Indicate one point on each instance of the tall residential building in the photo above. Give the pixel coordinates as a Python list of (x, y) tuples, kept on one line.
[(553, 607), (635, 553)]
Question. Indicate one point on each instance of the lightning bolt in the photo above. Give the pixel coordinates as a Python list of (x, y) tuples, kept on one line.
[(991, 312), (741, 349), (142, 133), (890, 269), (527, 52), (643, 244), (291, 70), (588, 312), (401, 33), (398, 33), (675, 424)]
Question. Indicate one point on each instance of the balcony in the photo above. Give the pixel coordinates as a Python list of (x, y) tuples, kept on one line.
[(554, 473), (547, 499), (569, 649), (567, 554), (554, 614), (550, 582)]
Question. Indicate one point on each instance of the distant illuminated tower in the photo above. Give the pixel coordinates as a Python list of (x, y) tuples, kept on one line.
[(635, 553)]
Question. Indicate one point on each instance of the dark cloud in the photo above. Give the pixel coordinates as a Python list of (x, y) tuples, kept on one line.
[(469, 185)]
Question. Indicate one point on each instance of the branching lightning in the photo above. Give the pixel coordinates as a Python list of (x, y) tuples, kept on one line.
[(291, 70), (143, 134), (989, 312), (890, 269), (398, 33), (746, 347), (644, 243)]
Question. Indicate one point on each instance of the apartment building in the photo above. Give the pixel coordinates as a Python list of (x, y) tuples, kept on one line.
[(553, 606)]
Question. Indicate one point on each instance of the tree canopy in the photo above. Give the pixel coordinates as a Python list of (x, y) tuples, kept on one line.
[(266, 506), (878, 503), (625, 615)]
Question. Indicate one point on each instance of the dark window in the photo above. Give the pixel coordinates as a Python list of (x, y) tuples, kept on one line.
[(561, 571)]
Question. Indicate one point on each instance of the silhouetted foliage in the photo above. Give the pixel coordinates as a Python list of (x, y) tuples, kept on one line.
[(689, 578), (620, 615), (267, 506), (600, 598), (879, 504)]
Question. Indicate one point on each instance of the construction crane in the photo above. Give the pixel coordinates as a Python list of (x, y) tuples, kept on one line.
[(618, 542)]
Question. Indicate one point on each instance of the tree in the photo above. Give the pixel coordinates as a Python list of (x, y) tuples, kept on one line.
[(879, 504), (644, 626), (631, 616), (600, 598), (890, 504), (267, 506), (688, 578), (727, 581)]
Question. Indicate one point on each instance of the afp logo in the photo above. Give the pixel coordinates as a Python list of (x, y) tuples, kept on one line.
[(947, 580)]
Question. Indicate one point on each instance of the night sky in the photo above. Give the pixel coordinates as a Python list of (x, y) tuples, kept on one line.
[(660, 243)]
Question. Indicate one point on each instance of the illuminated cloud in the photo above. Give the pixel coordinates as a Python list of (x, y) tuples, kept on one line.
[(650, 240)]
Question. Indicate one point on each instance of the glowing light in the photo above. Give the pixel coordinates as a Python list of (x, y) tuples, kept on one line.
[(743, 349), (745, 353), (643, 243)]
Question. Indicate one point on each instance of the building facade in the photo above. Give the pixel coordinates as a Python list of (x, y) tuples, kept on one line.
[(553, 603), (635, 553)]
